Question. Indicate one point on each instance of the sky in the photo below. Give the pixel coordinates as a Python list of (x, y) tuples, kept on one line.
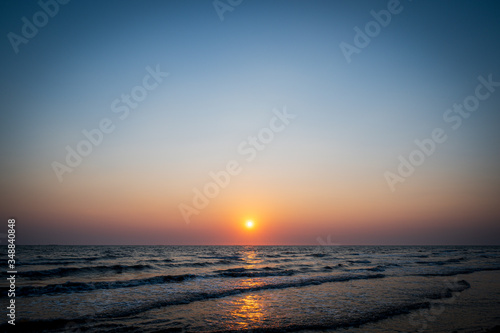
[(184, 119)]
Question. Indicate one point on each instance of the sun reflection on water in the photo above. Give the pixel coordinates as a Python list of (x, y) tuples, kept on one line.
[(248, 312), (251, 258)]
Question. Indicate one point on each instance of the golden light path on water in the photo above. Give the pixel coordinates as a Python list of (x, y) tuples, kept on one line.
[(248, 311)]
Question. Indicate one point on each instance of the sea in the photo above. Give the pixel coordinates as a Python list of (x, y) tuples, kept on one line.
[(256, 289)]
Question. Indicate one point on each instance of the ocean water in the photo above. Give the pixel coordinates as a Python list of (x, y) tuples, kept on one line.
[(251, 288)]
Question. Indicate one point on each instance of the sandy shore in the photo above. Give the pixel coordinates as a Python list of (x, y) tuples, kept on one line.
[(475, 310)]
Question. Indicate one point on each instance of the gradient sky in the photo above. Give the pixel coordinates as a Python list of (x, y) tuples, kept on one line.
[(321, 176)]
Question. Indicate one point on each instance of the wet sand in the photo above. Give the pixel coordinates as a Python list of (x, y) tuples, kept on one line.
[(474, 310)]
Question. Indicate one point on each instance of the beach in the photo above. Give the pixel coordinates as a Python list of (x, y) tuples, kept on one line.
[(258, 288)]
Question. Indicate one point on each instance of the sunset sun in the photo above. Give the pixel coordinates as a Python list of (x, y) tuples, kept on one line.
[(249, 224)]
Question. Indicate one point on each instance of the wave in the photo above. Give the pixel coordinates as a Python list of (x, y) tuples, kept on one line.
[(48, 263), (432, 263), (378, 268), (158, 260), (243, 272), (68, 261), (440, 262), (458, 271), (359, 261), (75, 287), (318, 255), (198, 263), (72, 287), (425, 300), (67, 271), (200, 296), (235, 258), (456, 259)]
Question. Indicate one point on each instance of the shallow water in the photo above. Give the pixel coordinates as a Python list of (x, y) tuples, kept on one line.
[(237, 288)]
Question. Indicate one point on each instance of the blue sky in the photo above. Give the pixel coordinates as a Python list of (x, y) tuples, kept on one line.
[(226, 77)]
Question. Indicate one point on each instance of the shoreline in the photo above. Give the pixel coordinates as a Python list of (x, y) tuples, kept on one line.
[(470, 311)]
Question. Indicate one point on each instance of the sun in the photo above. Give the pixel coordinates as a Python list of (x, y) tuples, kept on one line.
[(249, 224)]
